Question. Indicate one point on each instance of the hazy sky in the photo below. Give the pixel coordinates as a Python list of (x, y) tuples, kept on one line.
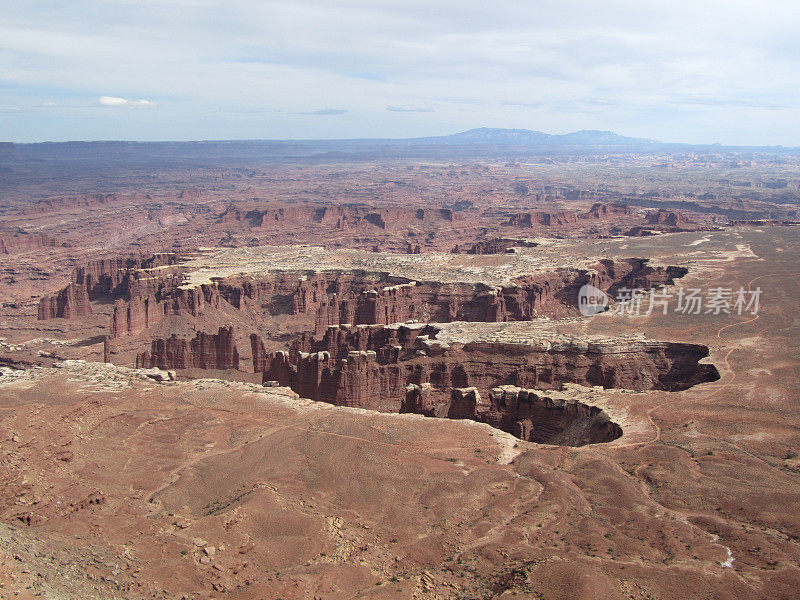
[(679, 70)]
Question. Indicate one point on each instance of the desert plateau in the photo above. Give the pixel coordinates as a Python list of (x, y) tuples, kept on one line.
[(399, 300), (227, 390)]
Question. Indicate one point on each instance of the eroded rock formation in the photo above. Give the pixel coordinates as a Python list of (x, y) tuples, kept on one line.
[(405, 369), (533, 416), (23, 241), (119, 277), (361, 338), (372, 366), (141, 312), (339, 217), (205, 351), (600, 210), (541, 219), (493, 246), (71, 302), (669, 217), (536, 219), (330, 298)]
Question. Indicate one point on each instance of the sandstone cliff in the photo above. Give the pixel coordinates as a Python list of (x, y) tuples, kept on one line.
[(115, 278), (546, 219), (22, 242), (141, 312), (321, 299), (533, 416), (338, 217), (541, 219), (372, 366), (71, 302), (600, 210), (670, 218), (205, 351)]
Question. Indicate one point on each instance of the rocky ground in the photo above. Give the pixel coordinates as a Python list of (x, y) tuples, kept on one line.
[(116, 485), (118, 482)]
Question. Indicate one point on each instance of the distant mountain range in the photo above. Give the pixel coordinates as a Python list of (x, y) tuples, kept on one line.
[(527, 137), (483, 142)]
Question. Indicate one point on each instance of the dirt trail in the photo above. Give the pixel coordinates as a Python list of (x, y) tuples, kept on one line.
[(717, 389), (685, 515)]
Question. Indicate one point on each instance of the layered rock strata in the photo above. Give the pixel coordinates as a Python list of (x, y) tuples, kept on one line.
[(533, 416), (114, 278), (339, 217), (22, 241), (372, 366), (669, 217), (205, 351), (542, 219), (69, 303), (349, 294)]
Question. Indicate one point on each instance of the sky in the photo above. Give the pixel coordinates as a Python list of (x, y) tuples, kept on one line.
[(701, 71)]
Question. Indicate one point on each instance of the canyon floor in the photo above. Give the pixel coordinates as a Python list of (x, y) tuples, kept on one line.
[(125, 482)]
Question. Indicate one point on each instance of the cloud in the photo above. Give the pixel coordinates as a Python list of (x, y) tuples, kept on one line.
[(401, 109), (326, 112), (727, 101), (115, 101), (525, 104), (654, 70), (112, 101)]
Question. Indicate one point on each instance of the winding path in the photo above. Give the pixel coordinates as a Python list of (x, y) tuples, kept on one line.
[(730, 369)]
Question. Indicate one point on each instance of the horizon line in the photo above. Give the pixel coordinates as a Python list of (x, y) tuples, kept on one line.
[(624, 138)]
